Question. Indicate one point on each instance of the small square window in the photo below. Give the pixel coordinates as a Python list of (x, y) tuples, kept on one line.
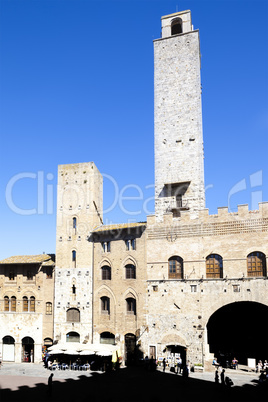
[(236, 288), (193, 288)]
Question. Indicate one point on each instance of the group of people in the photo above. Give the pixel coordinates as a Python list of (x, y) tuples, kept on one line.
[(220, 375), (261, 366), (178, 367)]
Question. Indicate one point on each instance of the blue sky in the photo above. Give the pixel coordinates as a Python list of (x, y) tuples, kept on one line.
[(76, 85)]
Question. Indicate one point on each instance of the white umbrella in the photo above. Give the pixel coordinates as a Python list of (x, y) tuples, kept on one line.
[(56, 352), (86, 352)]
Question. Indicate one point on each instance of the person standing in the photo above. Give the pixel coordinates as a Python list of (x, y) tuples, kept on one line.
[(49, 383), (216, 377), (179, 364), (222, 377), (164, 364)]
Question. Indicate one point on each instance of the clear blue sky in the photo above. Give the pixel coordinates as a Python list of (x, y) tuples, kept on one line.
[(76, 85)]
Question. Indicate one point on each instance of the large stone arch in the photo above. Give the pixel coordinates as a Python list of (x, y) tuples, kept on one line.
[(173, 338), (238, 329)]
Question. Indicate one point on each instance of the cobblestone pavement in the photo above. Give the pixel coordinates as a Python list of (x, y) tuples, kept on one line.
[(28, 382)]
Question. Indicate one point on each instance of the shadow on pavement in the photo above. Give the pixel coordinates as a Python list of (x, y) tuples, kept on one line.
[(135, 385)]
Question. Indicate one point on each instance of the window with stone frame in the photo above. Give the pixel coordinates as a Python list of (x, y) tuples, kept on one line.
[(256, 264), (175, 268), (176, 26), (6, 303), (130, 271), (105, 305), (214, 266), (13, 303), (25, 303), (73, 259), (131, 305), (73, 315), (106, 273), (48, 308), (32, 304)]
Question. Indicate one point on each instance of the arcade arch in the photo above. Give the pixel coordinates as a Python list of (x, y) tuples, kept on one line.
[(239, 330)]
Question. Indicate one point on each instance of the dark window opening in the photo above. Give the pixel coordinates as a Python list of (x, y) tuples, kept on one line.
[(176, 27), (106, 273)]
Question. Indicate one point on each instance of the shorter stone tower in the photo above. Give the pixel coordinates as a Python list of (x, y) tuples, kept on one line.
[(79, 211)]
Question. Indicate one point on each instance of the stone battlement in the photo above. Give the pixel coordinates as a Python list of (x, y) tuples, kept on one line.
[(243, 213)]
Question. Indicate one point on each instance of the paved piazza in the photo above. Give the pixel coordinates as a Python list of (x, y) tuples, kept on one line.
[(28, 382)]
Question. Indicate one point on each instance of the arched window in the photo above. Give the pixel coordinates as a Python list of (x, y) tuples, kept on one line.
[(256, 263), (175, 268), (74, 224), (25, 303), (105, 305), (176, 26), (214, 266), (72, 337), (74, 259), (73, 315), (6, 303), (48, 308), (106, 273), (32, 304), (131, 305), (13, 303), (8, 340), (130, 271)]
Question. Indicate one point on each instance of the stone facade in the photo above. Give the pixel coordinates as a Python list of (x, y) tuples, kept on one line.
[(26, 307), (187, 304), (120, 275)]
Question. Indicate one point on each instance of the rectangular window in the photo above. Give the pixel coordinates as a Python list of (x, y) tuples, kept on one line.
[(193, 288), (236, 288)]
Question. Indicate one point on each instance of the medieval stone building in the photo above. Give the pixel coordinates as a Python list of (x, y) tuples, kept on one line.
[(184, 282), (26, 306)]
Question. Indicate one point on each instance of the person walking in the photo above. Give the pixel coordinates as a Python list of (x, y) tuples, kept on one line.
[(164, 364)]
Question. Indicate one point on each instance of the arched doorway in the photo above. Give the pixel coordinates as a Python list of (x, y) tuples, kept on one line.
[(27, 351), (107, 337), (8, 349), (72, 337), (174, 351), (239, 330), (130, 349)]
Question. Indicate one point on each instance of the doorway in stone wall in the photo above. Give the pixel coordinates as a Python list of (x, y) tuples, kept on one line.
[(27, 350), (175, 351), (130, 349)]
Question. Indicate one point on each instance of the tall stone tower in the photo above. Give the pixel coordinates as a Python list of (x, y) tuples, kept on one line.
[(179, 166), (79, 211)]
